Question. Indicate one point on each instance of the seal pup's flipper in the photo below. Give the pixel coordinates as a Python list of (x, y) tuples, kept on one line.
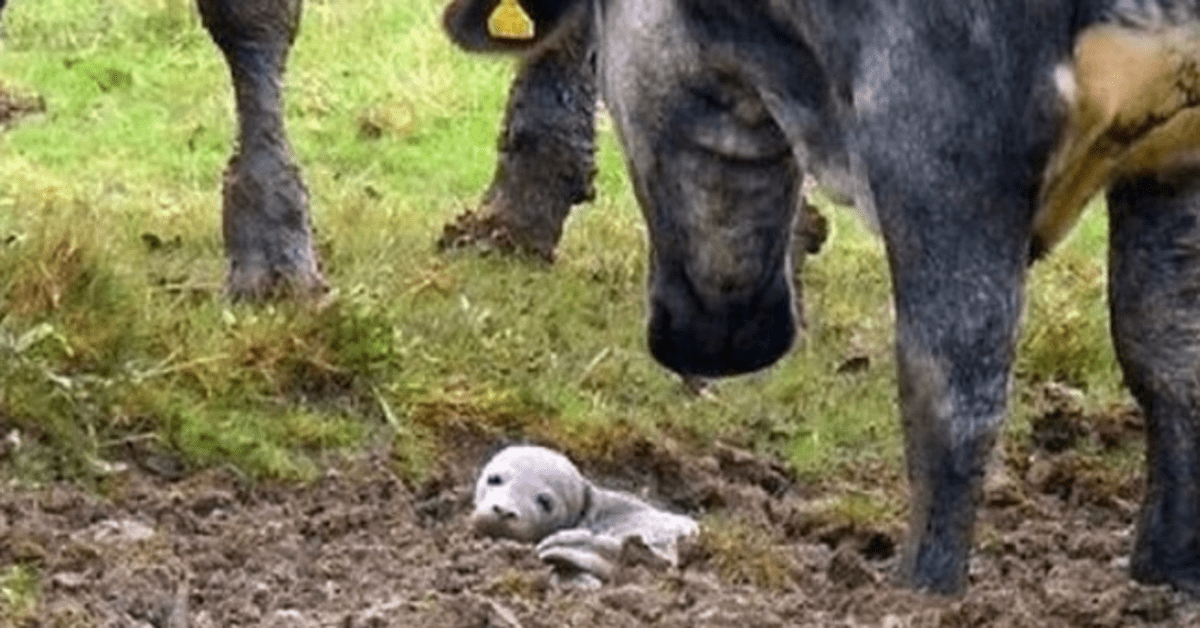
[(621, 516), (581, 550)]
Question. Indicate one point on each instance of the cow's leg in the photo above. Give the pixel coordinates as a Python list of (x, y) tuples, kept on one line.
[(546, 161), (1155, 301), (957, 309), (957, 248), (956, 318), (265, 220)]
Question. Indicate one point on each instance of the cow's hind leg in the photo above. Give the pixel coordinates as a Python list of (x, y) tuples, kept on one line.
[(1155, 301), (265, 220)]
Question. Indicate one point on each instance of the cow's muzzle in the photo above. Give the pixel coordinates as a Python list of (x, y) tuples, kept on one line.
[(695, 336)]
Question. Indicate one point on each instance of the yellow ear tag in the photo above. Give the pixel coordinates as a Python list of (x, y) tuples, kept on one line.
[(509, 21)]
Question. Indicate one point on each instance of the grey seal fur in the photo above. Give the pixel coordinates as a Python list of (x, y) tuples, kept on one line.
[(536, 495)]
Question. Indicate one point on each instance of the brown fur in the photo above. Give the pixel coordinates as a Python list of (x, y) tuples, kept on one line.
[(1133, 97)]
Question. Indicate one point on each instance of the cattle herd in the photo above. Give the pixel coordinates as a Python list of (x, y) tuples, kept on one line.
[(972, 133)]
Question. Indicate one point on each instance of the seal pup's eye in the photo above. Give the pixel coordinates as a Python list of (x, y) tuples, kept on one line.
[(495, 480), (544, 502)]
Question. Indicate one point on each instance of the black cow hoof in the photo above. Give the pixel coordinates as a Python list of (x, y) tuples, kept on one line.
[(1186, 580), (929, 585)]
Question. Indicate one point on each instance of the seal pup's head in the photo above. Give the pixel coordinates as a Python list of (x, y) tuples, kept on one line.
[(525, 493)]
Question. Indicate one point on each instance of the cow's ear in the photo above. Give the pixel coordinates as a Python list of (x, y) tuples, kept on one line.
[(498, 25)]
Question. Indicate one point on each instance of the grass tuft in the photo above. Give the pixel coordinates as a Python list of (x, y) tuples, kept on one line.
[(20, 588)]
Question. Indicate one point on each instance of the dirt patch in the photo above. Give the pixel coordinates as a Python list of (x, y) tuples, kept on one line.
[(14, 106), (360, 548)]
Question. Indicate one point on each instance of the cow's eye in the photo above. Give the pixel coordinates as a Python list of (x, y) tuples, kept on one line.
[(495, 480), (544, 502)]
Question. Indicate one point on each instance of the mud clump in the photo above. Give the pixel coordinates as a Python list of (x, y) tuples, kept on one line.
[(490, 229), (14, 106)]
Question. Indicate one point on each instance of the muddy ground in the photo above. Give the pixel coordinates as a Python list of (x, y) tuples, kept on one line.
[(359, 548)]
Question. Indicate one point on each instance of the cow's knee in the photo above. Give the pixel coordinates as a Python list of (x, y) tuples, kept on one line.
[(1155, 301)]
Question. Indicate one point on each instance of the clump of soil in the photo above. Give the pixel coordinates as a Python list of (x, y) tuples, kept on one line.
[(497, 227), (14, 106), (360, 548)]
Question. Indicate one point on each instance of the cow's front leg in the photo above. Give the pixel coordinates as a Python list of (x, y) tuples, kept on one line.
[(546, 159), (958, 267), (1155, 300), (265, 219)]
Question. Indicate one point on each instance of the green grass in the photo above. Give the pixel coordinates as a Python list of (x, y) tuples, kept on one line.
[(19, 589), (106, 340)]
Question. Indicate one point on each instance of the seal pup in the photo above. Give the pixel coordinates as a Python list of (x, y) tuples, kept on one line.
[(534, 494)]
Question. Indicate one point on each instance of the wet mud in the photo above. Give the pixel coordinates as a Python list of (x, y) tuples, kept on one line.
[(361, 548)]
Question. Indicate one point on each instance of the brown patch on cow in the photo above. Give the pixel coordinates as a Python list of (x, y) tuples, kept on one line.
[(1133, 96)]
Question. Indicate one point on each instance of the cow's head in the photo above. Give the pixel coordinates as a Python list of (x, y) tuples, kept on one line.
[(713, 171)]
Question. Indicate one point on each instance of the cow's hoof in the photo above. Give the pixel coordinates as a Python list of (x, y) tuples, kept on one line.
[(1186, 580), (258, 285), (934, 569), (930, 584)]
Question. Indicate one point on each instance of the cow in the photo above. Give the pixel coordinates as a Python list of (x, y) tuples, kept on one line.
[(973, 133), (267, 232)]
